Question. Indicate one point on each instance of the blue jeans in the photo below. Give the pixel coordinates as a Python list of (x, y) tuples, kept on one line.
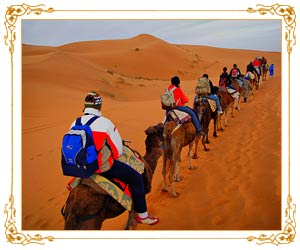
[(128, 175), (215, 98), (193, 113)]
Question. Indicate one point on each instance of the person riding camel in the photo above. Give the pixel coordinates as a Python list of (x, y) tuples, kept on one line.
[(235, 74), (108, 144), (224, 80), (211, 95), (250, 68), (181, 99), (256, 65)]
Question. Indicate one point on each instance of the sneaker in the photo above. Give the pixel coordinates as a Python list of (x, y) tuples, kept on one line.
[(220, 112), (150, 220)]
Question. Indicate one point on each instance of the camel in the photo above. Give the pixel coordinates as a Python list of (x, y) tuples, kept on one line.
[(252, 78), (247, 87), (239, 89), (265, 69), (227, 104), (86, 208), (175, 138), (205, 113), (258, 79)]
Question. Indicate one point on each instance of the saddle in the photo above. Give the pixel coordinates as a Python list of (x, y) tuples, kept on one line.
[(115, 188), (234, 93), (177, 116), (212, 103)]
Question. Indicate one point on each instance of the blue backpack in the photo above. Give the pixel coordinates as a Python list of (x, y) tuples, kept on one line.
[(79, 154)]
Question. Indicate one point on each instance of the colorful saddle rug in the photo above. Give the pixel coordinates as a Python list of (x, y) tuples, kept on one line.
[(115, 188), (212, 103), (235, 94), (178, 116)]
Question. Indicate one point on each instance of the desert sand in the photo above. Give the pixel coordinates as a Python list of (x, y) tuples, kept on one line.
[(235, 186)]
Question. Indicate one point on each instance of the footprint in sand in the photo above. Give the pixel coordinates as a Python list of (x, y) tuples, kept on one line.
[(220, 202), (217, 220), (231, 188)]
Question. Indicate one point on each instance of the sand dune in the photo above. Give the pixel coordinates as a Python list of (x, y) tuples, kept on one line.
[(236, 185)]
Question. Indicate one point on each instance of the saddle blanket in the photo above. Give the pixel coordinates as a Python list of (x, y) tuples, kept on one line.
[(235, 94), (179, 116), (212, 103), (250, 75), (115, 188)]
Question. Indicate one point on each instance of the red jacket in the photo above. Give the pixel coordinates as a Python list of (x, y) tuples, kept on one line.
[(256, 63), (180, 97)]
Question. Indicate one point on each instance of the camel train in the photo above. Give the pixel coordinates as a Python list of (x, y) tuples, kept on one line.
[(88, 204)]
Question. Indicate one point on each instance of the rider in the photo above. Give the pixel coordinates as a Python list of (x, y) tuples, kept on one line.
[(108, 144), (180, 100), (256, 65), (235, 73), (250, 68), (225, 79), (212, 95)]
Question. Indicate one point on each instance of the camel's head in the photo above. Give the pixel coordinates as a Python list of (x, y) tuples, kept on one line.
[(155, 136)]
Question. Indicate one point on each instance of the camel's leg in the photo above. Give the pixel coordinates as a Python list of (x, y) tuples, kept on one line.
[(220, 122), (237, 103), (131, 223), (195, 155), (173, 168), (206, 137), (215, 126), (203, 143), (177, 170), (190, 155), (226, 117), (164, 171), (171, 178)]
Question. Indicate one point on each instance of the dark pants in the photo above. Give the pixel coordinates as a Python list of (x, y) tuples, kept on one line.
[(193, 113), (128, 175)]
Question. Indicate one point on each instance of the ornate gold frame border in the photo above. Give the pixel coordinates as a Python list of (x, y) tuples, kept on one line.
[(15, 11)]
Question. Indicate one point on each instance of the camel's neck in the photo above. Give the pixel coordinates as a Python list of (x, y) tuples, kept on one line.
[(151, 157)]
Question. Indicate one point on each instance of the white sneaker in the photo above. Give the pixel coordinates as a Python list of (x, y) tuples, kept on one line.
[(220, 112), (150, 220)]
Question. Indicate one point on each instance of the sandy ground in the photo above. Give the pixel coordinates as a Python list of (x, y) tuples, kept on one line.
[(235, 186)]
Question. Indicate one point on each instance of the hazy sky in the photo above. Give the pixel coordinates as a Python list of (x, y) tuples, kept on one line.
[(262, 35)]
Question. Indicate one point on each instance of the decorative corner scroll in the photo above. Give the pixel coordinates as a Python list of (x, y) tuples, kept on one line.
[(11, 17), (11, 231), (289, 232), (289, 16)]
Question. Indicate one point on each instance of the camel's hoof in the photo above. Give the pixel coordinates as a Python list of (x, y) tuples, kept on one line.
[(207, 149), (164, 189), (195, 156), (174, 194), (177, 179), (192, 168)]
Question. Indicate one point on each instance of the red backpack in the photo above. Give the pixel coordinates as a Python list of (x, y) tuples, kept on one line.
[(222, 82)]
